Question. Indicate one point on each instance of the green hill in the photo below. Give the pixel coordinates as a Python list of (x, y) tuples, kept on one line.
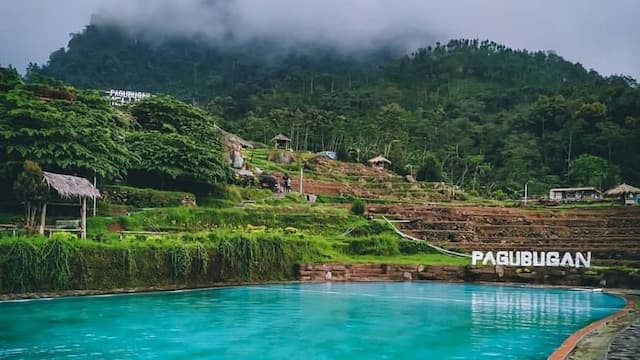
[(490, 116)]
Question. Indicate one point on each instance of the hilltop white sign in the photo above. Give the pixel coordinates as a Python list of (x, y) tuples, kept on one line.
[(121, 97), (532, 258)]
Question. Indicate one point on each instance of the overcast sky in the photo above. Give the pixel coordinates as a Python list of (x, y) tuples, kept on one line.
[(600, 34)]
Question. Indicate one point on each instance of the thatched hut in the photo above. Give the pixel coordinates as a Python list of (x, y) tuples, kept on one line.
[(379, 162), (629, 194), (71, 187), (281, 142)]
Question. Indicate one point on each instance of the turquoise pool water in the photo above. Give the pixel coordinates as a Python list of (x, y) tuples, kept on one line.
[(414, 320)]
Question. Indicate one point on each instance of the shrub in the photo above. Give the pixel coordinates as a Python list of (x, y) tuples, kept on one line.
[(358, 207), (371, 228), (224, 192), (499, 195), (408, 247), (377, 246), (146, 198), (430, 169)]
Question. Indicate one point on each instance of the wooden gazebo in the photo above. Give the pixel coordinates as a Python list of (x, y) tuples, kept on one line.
[(626, 192), (379, 162), (70, 187), (281, 142)]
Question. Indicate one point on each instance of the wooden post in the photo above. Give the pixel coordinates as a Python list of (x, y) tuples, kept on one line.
[(301, 179), (83, 219), (43, 217), (94, 198)]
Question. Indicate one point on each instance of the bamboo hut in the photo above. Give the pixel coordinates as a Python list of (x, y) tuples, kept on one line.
[(281, 142), (379, 162), (70, 187), (629, 194)]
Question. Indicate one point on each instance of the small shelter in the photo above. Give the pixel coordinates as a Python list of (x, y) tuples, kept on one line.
[(281, 142), (71, 187), (379, 162), (574, 194), (629, 194)]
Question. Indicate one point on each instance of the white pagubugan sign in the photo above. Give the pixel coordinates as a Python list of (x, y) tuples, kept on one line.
[(137, 95), (531, 258)]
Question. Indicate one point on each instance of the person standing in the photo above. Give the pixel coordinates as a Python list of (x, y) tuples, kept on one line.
[(287, 183)]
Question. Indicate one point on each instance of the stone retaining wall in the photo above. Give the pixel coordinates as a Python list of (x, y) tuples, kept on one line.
[(541, 275)]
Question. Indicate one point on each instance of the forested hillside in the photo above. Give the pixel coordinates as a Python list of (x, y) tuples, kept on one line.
[(486, 116), (156, 142)]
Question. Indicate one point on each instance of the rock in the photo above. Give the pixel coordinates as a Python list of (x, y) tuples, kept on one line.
[(409, 178), (407, 276), (327, 275), (559, 273), (386, 269)]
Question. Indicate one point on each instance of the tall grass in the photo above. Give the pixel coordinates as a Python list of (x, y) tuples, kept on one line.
[(190, 259)]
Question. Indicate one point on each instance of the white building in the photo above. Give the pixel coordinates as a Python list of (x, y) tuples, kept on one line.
[(574, 194)]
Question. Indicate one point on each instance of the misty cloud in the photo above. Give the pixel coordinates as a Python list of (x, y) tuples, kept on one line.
[(599, 34), (346, 25)]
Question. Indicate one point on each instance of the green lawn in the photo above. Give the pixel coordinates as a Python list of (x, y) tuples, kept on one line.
[(413, 259)]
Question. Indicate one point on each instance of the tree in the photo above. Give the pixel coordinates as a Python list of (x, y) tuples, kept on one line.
[(164, 158), (521, 163), (398, 159), (590, 170), (169, 115), (63, 129), (177, 142), (430, 169), (390, 118), (31, 190)]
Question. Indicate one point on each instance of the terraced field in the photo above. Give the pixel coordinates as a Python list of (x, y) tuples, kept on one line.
[(612, 235)]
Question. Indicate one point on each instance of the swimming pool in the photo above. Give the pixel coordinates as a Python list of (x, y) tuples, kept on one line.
[(313, 321)]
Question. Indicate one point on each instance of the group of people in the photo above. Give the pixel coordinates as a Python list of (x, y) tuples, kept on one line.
[(286, 184)]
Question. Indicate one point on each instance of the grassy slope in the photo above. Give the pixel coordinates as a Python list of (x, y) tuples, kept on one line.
[(322, 225)]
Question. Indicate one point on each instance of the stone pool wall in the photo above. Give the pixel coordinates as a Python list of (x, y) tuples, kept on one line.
[(545, 276)]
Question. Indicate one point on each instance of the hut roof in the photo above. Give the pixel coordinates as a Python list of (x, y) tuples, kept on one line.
[(379, 159), (68, 186), (584, 188), (622, 189), (280, 137)]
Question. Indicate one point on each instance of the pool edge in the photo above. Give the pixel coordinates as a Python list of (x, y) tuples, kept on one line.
[(570, 343)]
